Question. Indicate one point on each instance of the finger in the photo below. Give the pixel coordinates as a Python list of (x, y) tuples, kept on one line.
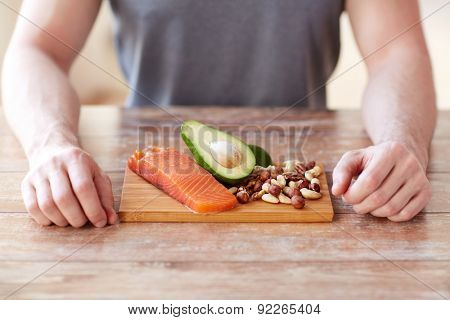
[(31, 204), (398, 201), (413, 207), (345, 170), (384, 193), (47, 205), (66, 201), (370, 178), (104, 189), (81, 178)]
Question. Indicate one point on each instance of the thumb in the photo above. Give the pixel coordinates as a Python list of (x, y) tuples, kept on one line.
[(104, 189), (348, 167)]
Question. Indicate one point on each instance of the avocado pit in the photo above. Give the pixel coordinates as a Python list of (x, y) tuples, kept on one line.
[(225, 153)]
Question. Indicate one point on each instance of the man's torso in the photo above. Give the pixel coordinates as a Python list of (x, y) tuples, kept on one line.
[(227, 52)]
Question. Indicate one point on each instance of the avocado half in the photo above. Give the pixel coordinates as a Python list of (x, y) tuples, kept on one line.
[(262, 157), (226, 157)]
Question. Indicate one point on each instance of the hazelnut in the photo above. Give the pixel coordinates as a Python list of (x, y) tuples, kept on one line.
[(298, 202), (264, 175), (288, 191), (275, 190), (243, 197), (250, 184), (315, 187), (279, 169), (258, 185)]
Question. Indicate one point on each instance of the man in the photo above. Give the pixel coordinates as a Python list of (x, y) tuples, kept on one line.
[(249, 52)]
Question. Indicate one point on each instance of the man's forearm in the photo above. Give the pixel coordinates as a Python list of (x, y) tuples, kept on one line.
[(399, 104), (39, 102)]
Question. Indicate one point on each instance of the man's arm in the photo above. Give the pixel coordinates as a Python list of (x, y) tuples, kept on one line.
[(64, 184), (399, 113)]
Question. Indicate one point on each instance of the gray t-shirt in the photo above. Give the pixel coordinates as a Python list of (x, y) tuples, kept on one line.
[(227, 52)]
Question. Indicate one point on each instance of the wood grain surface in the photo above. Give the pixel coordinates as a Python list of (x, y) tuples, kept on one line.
[(142, 202), (355, 256)]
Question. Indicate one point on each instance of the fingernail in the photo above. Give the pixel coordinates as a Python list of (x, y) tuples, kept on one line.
[(113, 216), (101, 223)]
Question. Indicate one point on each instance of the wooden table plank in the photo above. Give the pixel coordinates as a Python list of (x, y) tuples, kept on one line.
[(236, 280), (348, 238)]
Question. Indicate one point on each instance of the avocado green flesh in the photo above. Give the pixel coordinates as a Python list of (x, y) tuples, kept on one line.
[(198, 138), (262, 157)]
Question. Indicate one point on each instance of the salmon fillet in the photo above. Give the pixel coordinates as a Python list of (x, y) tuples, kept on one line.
[(182, 178)]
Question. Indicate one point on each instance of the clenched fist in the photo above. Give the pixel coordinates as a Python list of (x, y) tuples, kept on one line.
[(390, 181), (66, 187)]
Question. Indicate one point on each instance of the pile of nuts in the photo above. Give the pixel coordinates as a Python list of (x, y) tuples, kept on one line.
[(289, 183)]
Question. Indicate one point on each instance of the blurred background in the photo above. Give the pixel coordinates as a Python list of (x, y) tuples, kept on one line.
[(96, 87)]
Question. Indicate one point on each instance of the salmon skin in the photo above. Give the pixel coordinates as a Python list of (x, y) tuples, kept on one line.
[(182, 178)]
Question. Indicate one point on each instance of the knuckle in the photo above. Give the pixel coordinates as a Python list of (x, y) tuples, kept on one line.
[(410, 163), (405, 216), (63, 199), (372, 181), (33, 176), (350, 154), (84, 158), (25, 182), (390, 209), (397, 148), (379, 198), (31, 206), (83, 186), (349, 199), (72, 153), (46, 205), (52, 164)]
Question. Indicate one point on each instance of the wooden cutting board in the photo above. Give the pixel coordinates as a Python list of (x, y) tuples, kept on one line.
[(142, 202)]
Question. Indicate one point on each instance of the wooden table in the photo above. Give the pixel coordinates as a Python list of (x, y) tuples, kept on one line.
[(357, 257)]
